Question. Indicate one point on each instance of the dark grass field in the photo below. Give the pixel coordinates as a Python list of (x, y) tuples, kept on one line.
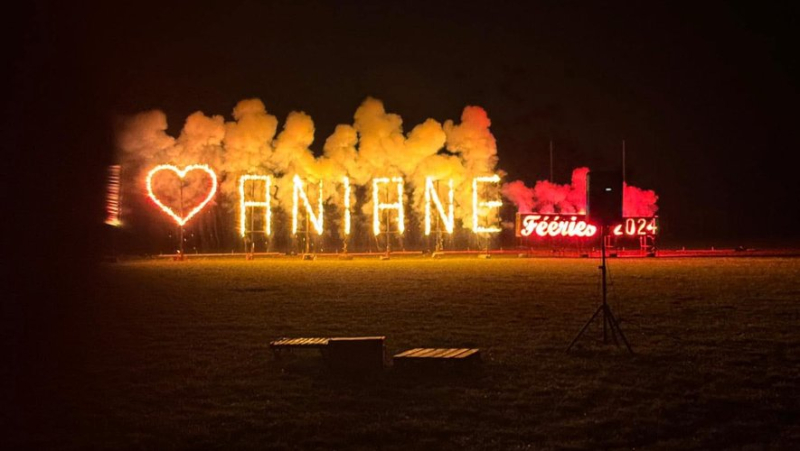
[(175, 355)]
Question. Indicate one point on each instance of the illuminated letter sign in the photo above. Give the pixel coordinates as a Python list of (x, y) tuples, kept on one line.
[(477, 205), (181, 173), (378, 206), (316, 219), (553, 225), (432, 194), (244, 204), (113, 197), (636, 227)]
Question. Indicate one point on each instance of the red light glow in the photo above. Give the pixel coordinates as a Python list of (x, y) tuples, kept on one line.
[(544, 225)]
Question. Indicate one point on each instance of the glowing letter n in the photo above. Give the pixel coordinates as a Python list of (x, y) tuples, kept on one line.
[(315, 219), (244, 204), (432, 194), (378, 206), (477, 205)]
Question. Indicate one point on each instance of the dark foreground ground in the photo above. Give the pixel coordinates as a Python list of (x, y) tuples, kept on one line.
[(174, 355)]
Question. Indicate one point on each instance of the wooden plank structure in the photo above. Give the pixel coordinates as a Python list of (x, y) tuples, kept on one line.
[(289, 344), (438, 356), (341, 353)]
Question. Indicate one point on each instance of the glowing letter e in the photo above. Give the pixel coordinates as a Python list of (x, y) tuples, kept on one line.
[(477, 205), (431, 194), (244, 204), (378, 206), (301, 192)]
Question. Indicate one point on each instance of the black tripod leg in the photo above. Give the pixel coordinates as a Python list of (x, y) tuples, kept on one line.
[(584, 328), (611, 326), (615, 325)]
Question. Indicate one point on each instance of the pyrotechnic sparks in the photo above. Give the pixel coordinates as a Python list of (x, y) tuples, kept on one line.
[(374, 144), (181, 173), (478, 205), (462, 154), (245, 204), (299, 191), (379, 206), (346, 183), (431, 194), (113, 199)]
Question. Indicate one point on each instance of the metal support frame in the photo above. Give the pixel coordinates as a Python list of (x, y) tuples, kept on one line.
[(610, 323)]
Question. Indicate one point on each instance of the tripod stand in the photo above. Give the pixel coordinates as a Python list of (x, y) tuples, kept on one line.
[(609, 321)]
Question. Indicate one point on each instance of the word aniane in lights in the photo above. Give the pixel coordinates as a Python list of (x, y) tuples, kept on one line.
[(248, 200), (181, 173)]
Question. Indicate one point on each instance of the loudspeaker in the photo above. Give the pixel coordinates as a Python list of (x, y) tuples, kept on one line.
[(604, 196)]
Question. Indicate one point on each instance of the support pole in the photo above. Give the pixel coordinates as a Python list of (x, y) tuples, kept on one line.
[(603, 276), (388, 237), (624, 180), (180, 244), (610, 324), (308, 244), (439, 240)]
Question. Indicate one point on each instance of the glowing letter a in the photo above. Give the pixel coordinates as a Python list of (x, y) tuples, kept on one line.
[(244, 204)]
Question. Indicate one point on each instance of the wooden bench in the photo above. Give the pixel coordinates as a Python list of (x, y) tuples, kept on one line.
[(289, 344), (341, 353), (437, 356)]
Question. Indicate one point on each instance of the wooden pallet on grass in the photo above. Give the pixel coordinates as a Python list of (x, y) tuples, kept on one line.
[(341, 353), (437, 357), (289, 344)]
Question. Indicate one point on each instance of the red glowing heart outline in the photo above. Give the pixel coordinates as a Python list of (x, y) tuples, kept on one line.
[(181, 173)]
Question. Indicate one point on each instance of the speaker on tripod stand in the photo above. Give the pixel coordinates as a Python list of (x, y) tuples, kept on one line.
[(604, 208), (604, 197)]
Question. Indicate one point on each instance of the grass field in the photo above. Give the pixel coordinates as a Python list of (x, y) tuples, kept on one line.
[(175, 355)]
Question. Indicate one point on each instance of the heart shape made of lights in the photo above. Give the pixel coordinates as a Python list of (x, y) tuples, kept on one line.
[(181, 173)]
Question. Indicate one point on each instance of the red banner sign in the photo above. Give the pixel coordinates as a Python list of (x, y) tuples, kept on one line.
[(577, 226)]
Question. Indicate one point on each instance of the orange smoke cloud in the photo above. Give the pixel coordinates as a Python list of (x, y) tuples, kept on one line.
[(374, 145)]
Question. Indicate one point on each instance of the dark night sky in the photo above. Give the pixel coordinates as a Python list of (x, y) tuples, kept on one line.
[(704, 94)]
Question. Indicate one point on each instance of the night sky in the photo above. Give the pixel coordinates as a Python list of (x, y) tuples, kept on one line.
[(705, 95)]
